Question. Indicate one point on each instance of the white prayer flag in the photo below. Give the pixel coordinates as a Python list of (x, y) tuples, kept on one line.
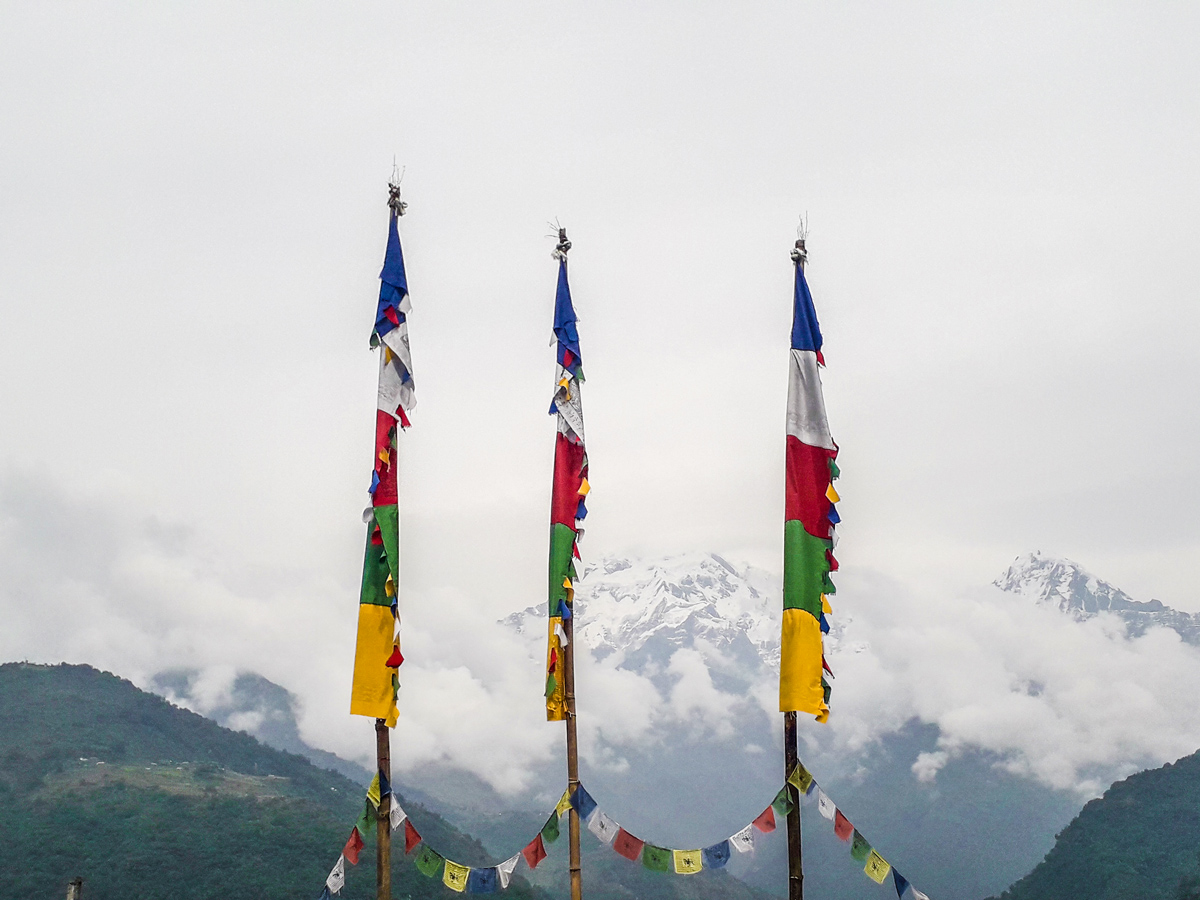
[(506, 869), (825, 805), (337, 877), (603, 827), (743, 841), (397, 814), (917, 895), (562, 635)]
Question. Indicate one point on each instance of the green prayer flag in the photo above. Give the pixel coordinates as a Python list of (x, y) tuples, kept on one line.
[(550, 829), (782, 803), (656, 859), (859, 848), (366, 822), (429, 862)]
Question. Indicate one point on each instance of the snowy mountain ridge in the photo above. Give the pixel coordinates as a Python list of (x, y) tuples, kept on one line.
[(1070, 588)]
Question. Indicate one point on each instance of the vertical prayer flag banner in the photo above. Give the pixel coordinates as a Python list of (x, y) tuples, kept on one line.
[(808, 535), (454, 876), (567, 506), (376, 684)]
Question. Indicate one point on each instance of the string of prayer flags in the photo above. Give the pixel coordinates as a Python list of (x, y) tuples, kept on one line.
[(627, 845), (485, 881), (687, 862), (534, 852), (505, 870), (743, 841), (656, 859), (860, 849), (376, 682), (549, 831), (810, 515), (583, 802), (429, 862), (337, 876), (567, 506), (716, 856), (877, 867), (411, 837), (765, 821), (454, 876), (603, 827), (354, 845)]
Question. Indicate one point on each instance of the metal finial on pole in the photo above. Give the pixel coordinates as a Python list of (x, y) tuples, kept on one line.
[(563, 245)]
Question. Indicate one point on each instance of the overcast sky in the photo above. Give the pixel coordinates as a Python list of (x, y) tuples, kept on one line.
[(1003, 212)]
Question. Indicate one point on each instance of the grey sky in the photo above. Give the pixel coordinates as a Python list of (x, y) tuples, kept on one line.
[(1003, 208)]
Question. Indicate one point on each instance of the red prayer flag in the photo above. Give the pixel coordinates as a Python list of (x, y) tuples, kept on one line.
[(411, 838), (396, 659), (353, 845), (535, 852), (766, 821), (842, 827), (627, 845)]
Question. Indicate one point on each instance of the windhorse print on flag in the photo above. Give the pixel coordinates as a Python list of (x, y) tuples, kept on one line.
[(567, 507), (809, 519), (377, 654)]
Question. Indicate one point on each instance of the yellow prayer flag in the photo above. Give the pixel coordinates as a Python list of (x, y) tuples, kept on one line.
[(801, 778), (564, 803), (825, 607), (455, 876), (688, 862), (832, 494), (373, 791), (385, 456), (371, 694), (556, 699), (387, 353), (877, 867), (584, 487), (389, 587)]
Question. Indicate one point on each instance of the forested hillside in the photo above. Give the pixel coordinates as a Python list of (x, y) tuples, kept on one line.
[(143, 799), (1138, 842)]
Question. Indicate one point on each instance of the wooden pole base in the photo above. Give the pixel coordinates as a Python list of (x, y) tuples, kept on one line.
[(383, 833), (791, 756)]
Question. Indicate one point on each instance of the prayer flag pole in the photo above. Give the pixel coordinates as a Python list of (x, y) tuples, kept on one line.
[(808, 541), (377, 656), (567, 511)]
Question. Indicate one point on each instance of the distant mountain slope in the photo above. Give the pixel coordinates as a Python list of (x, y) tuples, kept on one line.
[(1135, 843), (143, 799), (1069, 587)]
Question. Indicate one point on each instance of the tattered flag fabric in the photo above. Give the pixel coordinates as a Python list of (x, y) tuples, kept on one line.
[(354, 844), (603, 827), (534, 852), (429, 862), (743, 841), (375, 685), (337, 876), (877, 867), (688, 862), (809, 519), (567, 506), (899, 881), (454, 876), (841, 826), (505, 869), (411, 837), (765, 821), (825, 806), (484, 881), (627, 845), (716, 856), (860, 848), (656, 859)]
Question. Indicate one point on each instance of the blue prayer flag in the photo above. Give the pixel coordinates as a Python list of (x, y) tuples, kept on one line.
[(900, 881), (483, 881), (583, 802), (806, 333), (716, 856)]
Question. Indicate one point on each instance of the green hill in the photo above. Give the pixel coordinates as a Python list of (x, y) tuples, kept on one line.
[(1138, 842), (144, 799)]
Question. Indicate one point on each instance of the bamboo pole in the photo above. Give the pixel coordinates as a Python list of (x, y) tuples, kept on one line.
[(795, 853), (572, 757), (383, 833)]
